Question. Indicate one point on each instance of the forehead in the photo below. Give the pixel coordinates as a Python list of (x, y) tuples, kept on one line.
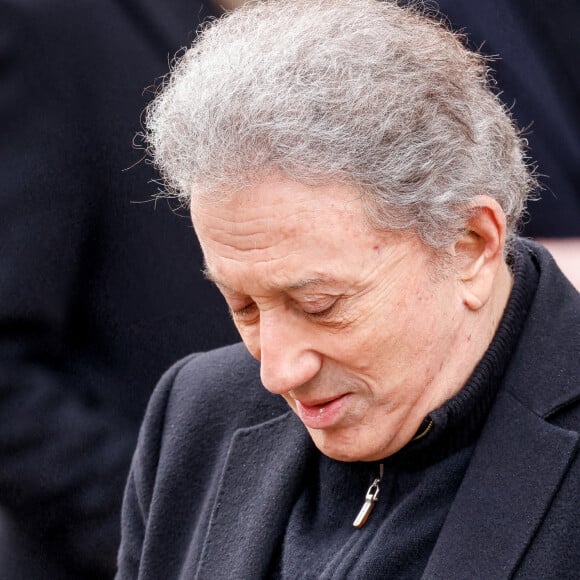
[(279, 204), (285, 223)]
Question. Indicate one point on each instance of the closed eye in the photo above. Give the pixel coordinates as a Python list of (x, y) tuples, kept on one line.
[(244, 313), (250, 313), (321, 313)]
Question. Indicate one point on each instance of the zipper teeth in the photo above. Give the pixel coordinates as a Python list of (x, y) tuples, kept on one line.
[(425, 431)]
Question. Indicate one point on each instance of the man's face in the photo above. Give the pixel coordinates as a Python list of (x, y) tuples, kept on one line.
[(350, 324)]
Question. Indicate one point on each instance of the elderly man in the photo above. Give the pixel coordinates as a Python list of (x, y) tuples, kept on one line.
[(356, 188)]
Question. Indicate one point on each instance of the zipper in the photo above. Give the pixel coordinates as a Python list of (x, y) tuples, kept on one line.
[(425, 431), (372, 494), (371, 499)]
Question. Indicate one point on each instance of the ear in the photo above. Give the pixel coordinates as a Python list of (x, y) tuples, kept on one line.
[(479, 252)]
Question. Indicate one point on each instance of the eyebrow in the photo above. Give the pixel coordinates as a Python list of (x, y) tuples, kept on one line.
[(298, 285), (310, 282)]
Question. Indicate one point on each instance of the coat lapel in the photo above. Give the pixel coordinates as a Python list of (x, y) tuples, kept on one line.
[(263, 468), (517, 467)]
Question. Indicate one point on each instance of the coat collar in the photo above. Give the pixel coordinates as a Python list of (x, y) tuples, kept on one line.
[(517, 467), (263, 468), (520, 458), (515, 471), (497, 510)]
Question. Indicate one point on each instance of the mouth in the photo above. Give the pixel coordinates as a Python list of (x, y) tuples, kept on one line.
[(322, 414)]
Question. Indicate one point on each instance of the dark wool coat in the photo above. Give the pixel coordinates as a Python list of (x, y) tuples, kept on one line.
[(100, 288), (219, 463)]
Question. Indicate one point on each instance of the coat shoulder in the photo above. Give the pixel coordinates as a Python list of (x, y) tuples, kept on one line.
[(222, 385)]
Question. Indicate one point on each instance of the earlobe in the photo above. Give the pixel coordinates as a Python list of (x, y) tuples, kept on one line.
[(479, 252)]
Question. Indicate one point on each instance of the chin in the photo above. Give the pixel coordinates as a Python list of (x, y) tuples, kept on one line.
[(341, 448)]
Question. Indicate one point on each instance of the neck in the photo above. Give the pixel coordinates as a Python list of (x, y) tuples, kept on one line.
[(474, 335)]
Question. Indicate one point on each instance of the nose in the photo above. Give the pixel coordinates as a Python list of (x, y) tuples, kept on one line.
[(287, 357)]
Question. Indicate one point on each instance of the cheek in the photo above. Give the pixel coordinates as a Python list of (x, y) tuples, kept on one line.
[(389, 344)]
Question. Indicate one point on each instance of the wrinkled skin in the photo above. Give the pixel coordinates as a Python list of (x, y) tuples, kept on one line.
[(354, 327)]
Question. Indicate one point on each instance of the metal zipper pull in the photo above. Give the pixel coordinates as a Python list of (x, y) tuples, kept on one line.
[(370, 499)]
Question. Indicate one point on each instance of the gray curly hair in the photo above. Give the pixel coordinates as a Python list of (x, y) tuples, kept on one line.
[(362, 92)]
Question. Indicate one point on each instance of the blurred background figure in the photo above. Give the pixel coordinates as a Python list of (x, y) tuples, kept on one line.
[(100, 287), (537, 43)]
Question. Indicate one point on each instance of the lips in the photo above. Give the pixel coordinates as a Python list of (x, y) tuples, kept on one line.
[(322, 414)]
